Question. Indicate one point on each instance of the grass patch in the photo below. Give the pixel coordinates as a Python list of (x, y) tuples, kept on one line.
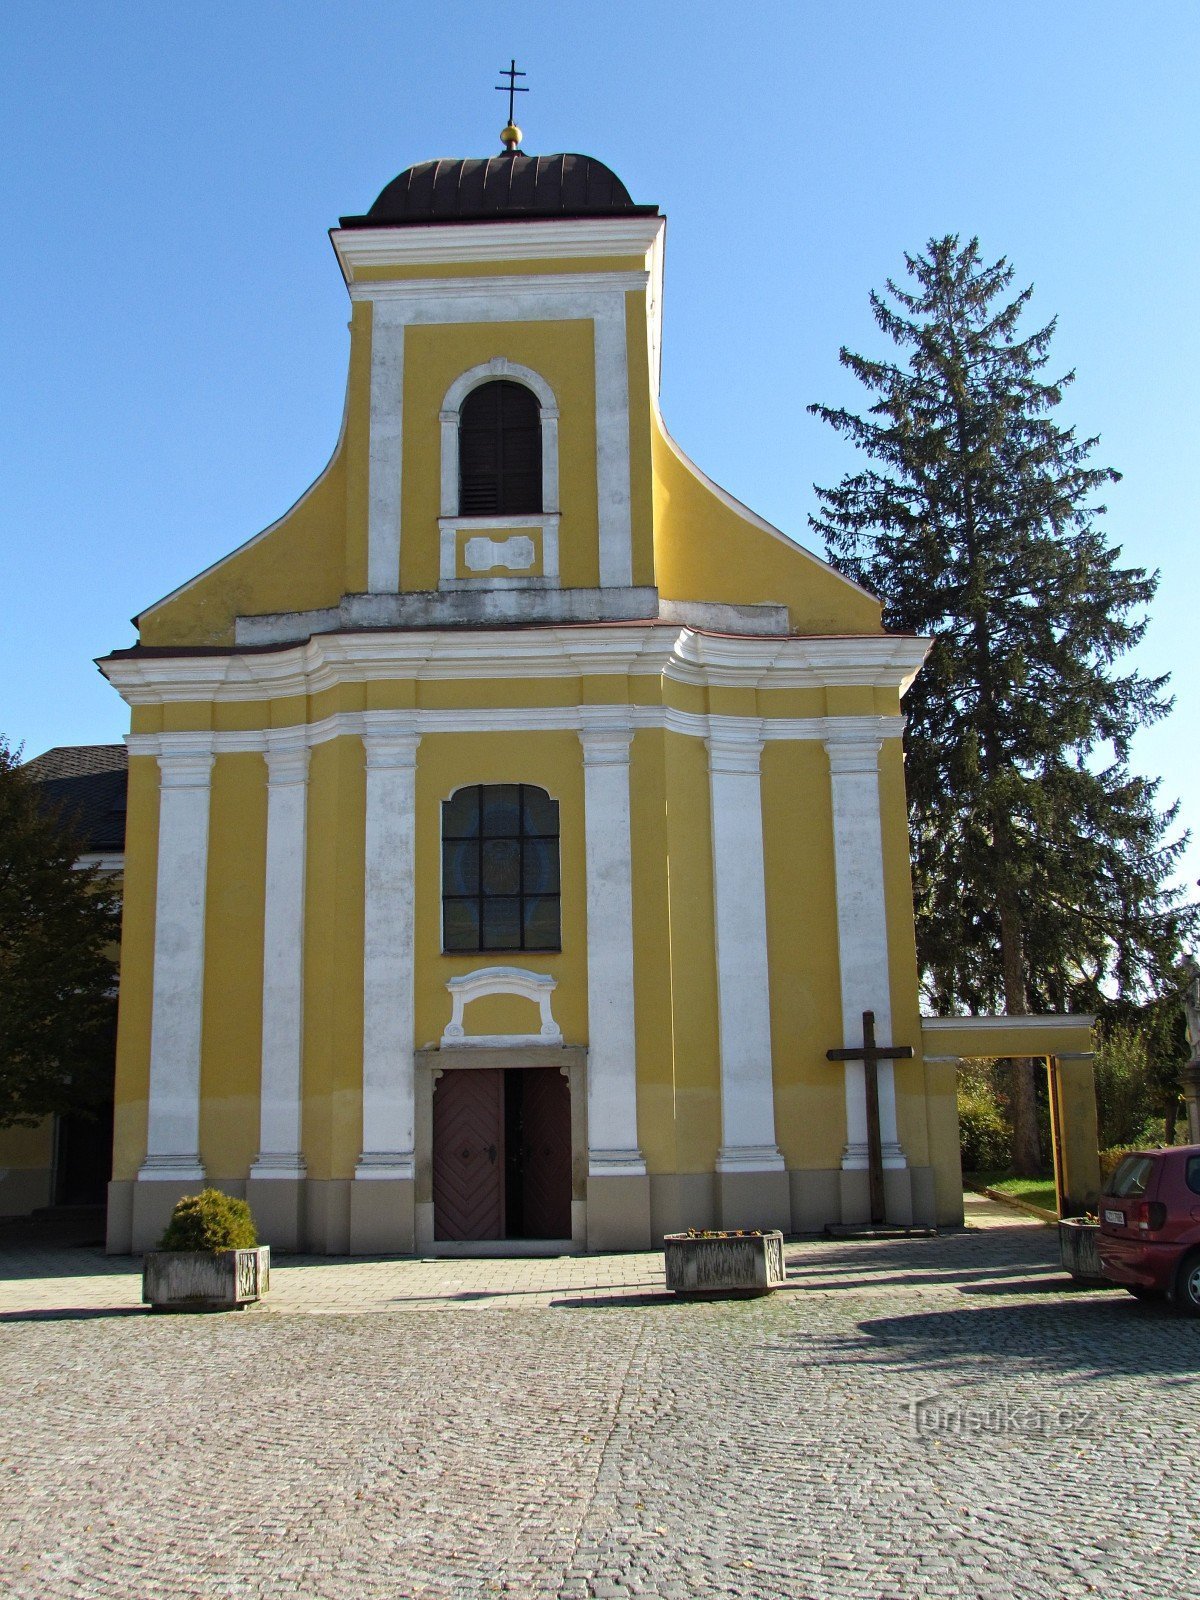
[(1036, 1191)]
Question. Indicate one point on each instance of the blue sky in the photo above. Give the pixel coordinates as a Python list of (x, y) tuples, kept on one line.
[(174, 325)]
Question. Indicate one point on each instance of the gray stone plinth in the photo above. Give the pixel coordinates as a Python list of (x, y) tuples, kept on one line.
[(277, 1205), (754, 1199), (618, 1212), (382, 1217)]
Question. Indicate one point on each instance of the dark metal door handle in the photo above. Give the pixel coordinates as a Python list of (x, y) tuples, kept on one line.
[(491, 1151)]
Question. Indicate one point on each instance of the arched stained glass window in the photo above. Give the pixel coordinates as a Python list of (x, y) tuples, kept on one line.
[(500, 879), (500, 451)]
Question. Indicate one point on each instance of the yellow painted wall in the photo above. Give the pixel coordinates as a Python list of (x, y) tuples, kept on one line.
[(694, 546), (685, 537), (27, 1149), (233, 941), (676, 1022), (695, 1032), (806, 1010), (654, 981), (298, 564), (506, 1014), (704, 550), (445, 762), (1079, 1132), (333, 959), (137, 967), (563, 354)]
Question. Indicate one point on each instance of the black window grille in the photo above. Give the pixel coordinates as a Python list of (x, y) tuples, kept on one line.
[(500, 871), (499, 451)]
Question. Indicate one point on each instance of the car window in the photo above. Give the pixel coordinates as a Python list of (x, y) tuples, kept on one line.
[(1132, 1176), (1193, 1174)]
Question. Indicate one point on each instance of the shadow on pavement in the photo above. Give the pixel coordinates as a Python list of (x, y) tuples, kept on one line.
[(73, 1313), (35, 1260), (1091, 1337), (604, 1300), (55, 1228), (605, 1294)]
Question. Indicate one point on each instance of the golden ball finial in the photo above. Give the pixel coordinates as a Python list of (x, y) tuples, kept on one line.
[(510, 137)]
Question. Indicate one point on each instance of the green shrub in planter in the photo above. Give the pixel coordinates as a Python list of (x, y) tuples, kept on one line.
[(210, 1221)]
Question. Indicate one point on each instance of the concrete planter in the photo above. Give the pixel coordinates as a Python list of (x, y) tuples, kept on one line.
[(724, 1263), (202, 1280), (1079, 1249)]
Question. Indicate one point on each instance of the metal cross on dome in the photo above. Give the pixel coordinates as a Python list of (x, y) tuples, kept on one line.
[(512, 87)]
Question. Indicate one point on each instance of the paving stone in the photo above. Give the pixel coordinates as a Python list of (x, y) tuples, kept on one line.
[(457, 1430)]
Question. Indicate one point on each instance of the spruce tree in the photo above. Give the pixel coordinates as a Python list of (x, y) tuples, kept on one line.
[(1042, 865), (58, 930)]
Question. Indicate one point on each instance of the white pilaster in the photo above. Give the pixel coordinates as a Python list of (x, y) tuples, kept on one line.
[(388, 954), (385, 456), (612, 442), (448, 422), (550, 459), (612, 1052), (280, 1148), (862, 936), (743, 992), (177, 1012)]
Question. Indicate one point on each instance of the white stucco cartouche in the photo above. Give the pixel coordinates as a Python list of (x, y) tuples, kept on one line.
[(538, 987)]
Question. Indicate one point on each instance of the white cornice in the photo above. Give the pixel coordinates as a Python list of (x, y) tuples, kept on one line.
[(581, 287), (638, 649), (874, 661), (618, 723), (566, 239)]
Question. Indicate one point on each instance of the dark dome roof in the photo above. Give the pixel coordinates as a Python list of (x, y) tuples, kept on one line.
[(512, 186)]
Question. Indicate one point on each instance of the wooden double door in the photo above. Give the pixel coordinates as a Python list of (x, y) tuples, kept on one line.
[(502, 1154)]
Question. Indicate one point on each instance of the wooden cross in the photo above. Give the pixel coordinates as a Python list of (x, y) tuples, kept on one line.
[(512, 87), (871, 1054)]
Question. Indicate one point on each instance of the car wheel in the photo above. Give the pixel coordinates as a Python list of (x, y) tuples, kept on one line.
[(1187, 1286)]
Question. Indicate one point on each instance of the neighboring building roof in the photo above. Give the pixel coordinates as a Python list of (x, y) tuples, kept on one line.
[(88, 783), (511, 186)]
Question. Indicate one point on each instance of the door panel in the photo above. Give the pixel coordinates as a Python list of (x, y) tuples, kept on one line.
[(546, 1154), (468, 1155)]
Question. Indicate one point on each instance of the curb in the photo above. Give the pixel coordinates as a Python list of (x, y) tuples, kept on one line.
[(1050, 1218)]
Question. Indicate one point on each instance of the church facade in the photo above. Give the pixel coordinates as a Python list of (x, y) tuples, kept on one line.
[(515, 824)]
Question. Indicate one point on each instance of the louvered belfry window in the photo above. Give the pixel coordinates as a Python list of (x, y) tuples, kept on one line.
[(499, 451), (500, 885)]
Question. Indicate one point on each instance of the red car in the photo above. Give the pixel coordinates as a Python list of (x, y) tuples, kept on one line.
[(1150, 1225)]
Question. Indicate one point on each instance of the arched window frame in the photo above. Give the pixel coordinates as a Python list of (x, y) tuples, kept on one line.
[(449, 521), (522, 894)]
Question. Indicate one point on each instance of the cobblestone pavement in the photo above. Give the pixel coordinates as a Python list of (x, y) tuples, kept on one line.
[(908, 1418)]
